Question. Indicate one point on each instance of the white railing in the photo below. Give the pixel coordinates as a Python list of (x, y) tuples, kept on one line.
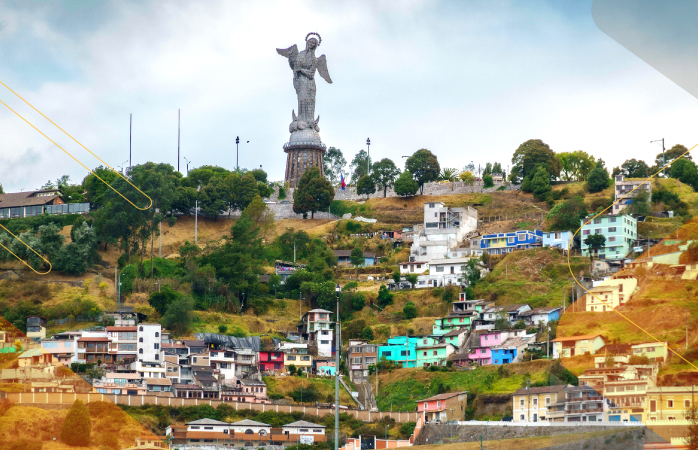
[(564, 424)]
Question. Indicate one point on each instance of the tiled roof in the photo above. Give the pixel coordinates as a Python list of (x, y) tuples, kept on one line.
[(174, 346), (250, 423), (442, 396), (158, 381), (577, 338), (539, 311), (94, 339), (207, 422), (456, 332), (16, 199), (122, 328), (541, 390)]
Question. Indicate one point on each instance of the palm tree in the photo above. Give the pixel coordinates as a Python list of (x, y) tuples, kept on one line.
[(449, 174)]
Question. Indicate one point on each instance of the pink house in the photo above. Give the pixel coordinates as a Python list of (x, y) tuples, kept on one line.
[(481, 356), (491, 339), (444, 407)]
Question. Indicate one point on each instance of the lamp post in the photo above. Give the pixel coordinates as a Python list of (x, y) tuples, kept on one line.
[(663, 161), (237, 153), (185, 158), (368, 156), (528, 404), (119, 289), (386, 434), (336, 376)]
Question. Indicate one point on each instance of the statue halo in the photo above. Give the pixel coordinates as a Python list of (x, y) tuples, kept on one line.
[(316, 34)]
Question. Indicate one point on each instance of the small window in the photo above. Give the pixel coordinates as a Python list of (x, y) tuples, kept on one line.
[(157, 334), (140, 350), (670, 403), (140, 328), (140, 339)]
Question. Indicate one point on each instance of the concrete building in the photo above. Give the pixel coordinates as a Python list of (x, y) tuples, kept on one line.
[(433, 354), (401, 350), (223, 363), (303, 432), (416, 267), (540, 316), (655, 351), (584, 404), (317, 330), (124, 343), (560, 239), (443, 230), (360, 354), (669, 402), (620, 232), (627, 190), (610, 294), (565, 347), (443, 407), (531, 405), (36, 326), (502, 243)]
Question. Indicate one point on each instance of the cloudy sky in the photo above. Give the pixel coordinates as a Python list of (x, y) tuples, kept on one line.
[(468, 80)]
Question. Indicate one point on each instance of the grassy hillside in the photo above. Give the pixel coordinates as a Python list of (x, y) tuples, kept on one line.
[(535, 276), (286, 386), (401, 388)]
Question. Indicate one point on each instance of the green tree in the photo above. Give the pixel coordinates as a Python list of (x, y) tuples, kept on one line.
[(96, 188), (670, 155), (487, 181), (314, 193), (185, 199), (162, 299), (358, 166), (448, 174), (358, 301), (248, 190), (598, 179), (467, 177), (76, 428), (179, 317), (409, 310), (385, 297), (568, 214), (405, 184), (575, 165), (530, 154), (424, 167), (213, 197), (334, 163), (412, 279), (357, 257), (595, 242), (640, 204), (384, 174), (397, 276), (366, 186), (538, 182), (367, 333), (634, 168)]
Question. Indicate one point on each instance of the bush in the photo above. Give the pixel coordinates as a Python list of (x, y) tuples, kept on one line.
[(358, 301), (409, 310), (367, 334), (76, 428), (385, 298), (222, 329)]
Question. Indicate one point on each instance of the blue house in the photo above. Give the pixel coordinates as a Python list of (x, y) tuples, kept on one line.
[(502, 243), (503, 356), (540, 316), (400, 349), (559, 239), (344, 258)]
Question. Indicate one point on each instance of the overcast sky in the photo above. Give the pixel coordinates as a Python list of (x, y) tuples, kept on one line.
[(469, 81)]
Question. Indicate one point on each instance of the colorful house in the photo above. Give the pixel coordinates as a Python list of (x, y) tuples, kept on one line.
[(610, 294), (655, 351), (481, 356), (559, 239), (271, 360), (344, 258), (531, 405), (540, 316), (443, 325), (502, 243), (620, 232), (566, 347), (444, 407), (400, 349), (456, 338), (434, 354)]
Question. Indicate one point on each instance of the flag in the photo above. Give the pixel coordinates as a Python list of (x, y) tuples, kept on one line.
[(344, 185)]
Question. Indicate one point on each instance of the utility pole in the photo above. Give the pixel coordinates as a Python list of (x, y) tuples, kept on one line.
[(196, 222), (237, 152), (130, 129), (178, 137), (663, 161), (160, 240), (336, 376), (368, 156)]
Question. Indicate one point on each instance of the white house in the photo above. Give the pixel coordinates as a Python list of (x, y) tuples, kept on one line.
[(252, 427), (305, 432), (223, 364), (559, 239), (416, 267), (150, 362), (443, 230)]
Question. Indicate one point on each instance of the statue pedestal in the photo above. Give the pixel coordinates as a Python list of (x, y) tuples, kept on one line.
[(304, 150)]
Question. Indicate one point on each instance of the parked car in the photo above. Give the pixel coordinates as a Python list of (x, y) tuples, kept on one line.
[(285, 202)]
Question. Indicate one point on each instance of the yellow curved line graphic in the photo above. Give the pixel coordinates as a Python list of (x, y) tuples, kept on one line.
[(586, 221), (76, 160), (50, 267)]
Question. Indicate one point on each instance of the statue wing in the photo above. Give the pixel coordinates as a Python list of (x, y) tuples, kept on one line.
[(289, 53), (322, 68)]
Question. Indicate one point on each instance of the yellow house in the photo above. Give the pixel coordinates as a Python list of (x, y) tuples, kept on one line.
[(669, 402), (301, 361), (566, 347), (610, 294), (655, 351), (532, 405)]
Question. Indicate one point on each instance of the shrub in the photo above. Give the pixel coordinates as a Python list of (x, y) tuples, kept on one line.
[(222, 329), (76, 427), (367, 334), (409, 310)]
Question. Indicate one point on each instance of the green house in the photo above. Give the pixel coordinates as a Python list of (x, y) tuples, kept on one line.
[(435, 354), (443, 325), (619, 230)]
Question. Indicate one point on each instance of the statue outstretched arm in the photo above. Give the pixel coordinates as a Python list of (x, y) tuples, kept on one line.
[(322, 68)]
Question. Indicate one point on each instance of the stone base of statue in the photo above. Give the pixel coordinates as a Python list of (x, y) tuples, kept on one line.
[(304, 150)]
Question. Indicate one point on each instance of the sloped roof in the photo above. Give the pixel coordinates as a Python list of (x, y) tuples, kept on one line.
[(541, 390), (16, 199), (303, 424), (577, 338), (539, 311), (122, 328), (158, 381), (456, 332), (249, 423), (207, 422), (31, 353), (445, 396)]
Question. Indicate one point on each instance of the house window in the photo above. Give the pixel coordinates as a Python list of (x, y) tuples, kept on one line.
[(511, 240), (439, 269), (597, 220), (687, 403), (612, 229), (426, 405), (586, 232), (611, 219), (522, 418), (670, 403), (597, 231), (612, 239), (140, 350), (535, 402)]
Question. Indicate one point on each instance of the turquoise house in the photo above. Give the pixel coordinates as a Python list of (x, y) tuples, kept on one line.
[(400, 349), (435, 354), (443, 325)]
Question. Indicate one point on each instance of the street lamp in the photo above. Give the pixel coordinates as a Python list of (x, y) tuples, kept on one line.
[(663, 162), (237, 153), (119, 289), (336, 375), (386, 434), (185, 158), (368, 156)]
